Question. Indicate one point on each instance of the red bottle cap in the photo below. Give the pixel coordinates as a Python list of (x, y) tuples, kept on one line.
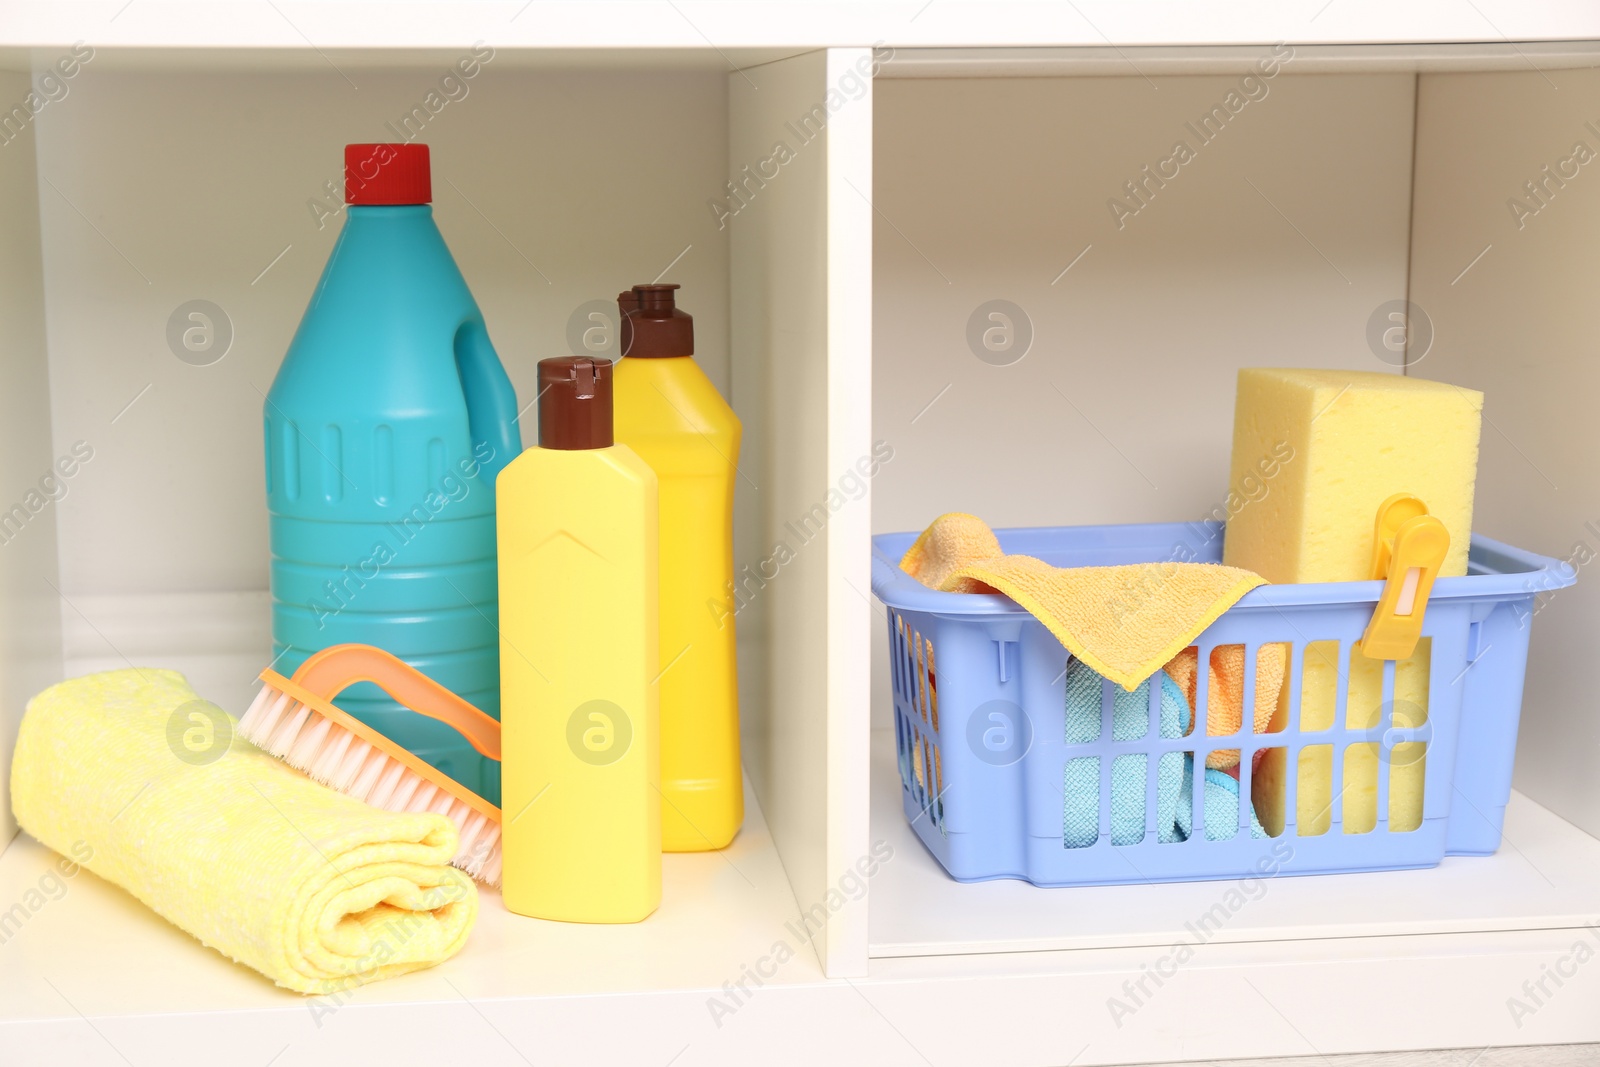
[(575, 403), (387, 174), (652, 325)]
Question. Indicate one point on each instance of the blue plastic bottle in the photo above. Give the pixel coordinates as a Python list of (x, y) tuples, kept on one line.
[(385, 428)]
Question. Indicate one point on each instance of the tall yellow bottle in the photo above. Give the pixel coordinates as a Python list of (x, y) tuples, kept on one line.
[(579, 644), (673, 417)]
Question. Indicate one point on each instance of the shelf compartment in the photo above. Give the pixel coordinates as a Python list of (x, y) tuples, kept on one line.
[(560, 178)]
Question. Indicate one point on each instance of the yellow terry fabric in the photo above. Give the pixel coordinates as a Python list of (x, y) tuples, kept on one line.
[(314, 889), (950, 543), (1125, 622), (1225, 690)]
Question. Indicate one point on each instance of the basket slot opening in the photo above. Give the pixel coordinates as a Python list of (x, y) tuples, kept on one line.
[(1229, 815), (900, 656), (1127, 784), (928, 774), (1080, 823), (908, 663), (920, 675), (1175, 772), (894, 656), (927, 770), (920, 788), (1408, 769), (1268, 788), (1314, 771), (902, 670), (900, 746), (1083, 729), (1263, 773), (1360, 789), (1319, 686)]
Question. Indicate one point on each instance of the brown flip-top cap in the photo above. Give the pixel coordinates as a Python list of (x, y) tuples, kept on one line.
[(575, 403), (652, 324)]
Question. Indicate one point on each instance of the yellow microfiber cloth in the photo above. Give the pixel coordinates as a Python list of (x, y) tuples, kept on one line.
[(314, 889), (1125, 622)]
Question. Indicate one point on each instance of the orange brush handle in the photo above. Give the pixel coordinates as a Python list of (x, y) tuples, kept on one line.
[(333, 670)]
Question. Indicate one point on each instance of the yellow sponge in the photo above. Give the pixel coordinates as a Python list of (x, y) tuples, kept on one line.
[(1407, 767), (1352, 438), (1363, 711), (1314, 454)]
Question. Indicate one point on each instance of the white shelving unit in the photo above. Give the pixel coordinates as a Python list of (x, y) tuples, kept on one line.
[(594, 150)]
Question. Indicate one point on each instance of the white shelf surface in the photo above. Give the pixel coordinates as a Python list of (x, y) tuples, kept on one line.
[(1546, 876), (95, 978), (718, 912), (95, 951)]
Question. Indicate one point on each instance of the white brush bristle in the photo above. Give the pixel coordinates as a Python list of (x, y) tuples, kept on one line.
[(327, 752)]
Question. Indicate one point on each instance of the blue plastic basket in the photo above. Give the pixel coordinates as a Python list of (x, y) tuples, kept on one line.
[(979, 709)]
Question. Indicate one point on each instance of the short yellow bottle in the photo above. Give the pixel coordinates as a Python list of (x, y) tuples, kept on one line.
[(674, 418), (579, 653)]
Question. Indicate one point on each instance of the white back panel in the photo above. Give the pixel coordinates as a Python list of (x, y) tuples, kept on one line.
[(1272, 246), (1520, 325), (552, 189)]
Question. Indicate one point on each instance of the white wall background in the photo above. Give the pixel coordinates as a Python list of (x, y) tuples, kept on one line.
[(1270, 248), (1521, 325), (160, 188)]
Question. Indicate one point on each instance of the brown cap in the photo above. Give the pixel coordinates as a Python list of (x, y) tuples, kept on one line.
[(652, 325), (575, 403)]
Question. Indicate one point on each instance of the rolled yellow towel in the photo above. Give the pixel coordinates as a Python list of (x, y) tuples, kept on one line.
[(314, 889)]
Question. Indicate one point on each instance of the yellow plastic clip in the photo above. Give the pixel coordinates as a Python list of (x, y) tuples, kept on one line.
[(1409, 547)]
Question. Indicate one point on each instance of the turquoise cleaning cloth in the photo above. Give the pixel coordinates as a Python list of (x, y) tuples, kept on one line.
[(1130, 718)]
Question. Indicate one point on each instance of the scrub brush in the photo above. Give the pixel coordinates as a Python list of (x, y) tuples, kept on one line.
[(296, 721)]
